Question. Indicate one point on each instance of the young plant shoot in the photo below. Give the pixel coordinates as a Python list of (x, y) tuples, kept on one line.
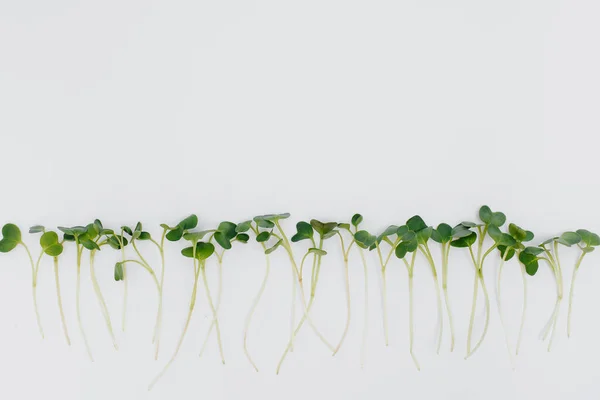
[(364, 240), (552, 257), (52, 247), (305, 231), (11, 238), (199, 252), (225, 234), (508, 247), (589, 242)]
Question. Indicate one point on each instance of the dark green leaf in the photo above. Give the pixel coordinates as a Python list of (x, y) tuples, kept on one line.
[(263, 236), (243, 227), (494, 232), (119, 271), (569, 239), (275, 246), (175, 234), (223, 240), (316, 251), (517, 232), (127, 230), (194, 236), (528, 236), (498, 219), (144, 236), (465, 241), (589, 238), (485, 214), (242, 237), (344, 225), (364, 238), (228, 229), (356, 219), (188, 223), (442, 234), (503, 251), (303, 231), (416, 223), (533, 250), (37, 229)]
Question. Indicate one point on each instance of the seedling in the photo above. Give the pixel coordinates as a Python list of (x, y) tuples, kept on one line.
[(508, 245), (199, 252), (589, 242), (225, 235), (11, 238), (490, 220), (52, 247), (79, 235), (364, 240), (305, 231), (444, 234), (550, 248)]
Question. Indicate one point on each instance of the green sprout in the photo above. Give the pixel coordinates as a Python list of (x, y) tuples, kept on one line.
[(364, 240), (11, 238), (225, 234), (444, 234), (509, 244), (79, 235), (550, 248), (199, 252), (491, 221), (305, 231), (52, 247), (589, 242)]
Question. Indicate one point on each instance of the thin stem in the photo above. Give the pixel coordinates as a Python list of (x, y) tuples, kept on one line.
[(78, 302), (101, 300), (499, 304), (487, 314), (125, 282), (383, 296), (218, 306), (575, 270), (34, 272), (59, 298), (347, 280), (523, 312), (473, 305), (214, 311), (445, 251), (411, 311), (187, 321), (363, 349), (427, 253), (158, 325), (253, 308)]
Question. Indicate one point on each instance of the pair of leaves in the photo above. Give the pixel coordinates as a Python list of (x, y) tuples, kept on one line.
[(226, 232), (529, 258), (203, 251), (324, 229), (356, 220), (50, 244), (408, 242), (268, 221), (304, 230), (84, 235), (488, 217), (590, 239), (176, 233), (11, 237), (139, 233), (364, 239)]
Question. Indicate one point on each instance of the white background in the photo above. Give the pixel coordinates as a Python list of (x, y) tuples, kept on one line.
[(150, 110)]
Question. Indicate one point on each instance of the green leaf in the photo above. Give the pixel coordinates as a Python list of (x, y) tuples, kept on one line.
[(344, 225), (223, 240), (485, 214), (549, 241), (138, 227), (568, 239), (91, 231), (203, 251), (589, 238), (460, 231), (263, 223), (467, 224), (356, 219), (330, 234), (530, 261), (55, 250), (196, 236), (442, 234), (506, 240), (275, 246), (144, 236), (303, 231), (119, 275), (127, 230), (503, 250), (528, 236), (189, 222), (401, 250), (242, 237), (68, 238), (533, 250), (228, 229), (588, 249), (89, 244), (263, 236), (98, 225), (424, 234), (268, 220), (517, 232), (416, 223), (364, 239), (48, 239), (243, 227), (316, 251), (323, 228), (498, 219), (392, 230), (494, 232), (465, 241), (114, 241), (175, 234), (11, 237), (37, 229)]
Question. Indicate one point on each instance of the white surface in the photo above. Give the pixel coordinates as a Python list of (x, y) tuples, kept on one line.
[(151, 110)]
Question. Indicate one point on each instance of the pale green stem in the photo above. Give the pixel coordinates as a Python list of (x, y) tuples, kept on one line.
[(445, 251), (101, 300), (363, 350), (499, 303), (59, 298), (575, 270), (218, 307), (214, 311), (411, 310), (187, 321), (78, 302), (253, 308), (524, 311), (34, 272), (347, 326)]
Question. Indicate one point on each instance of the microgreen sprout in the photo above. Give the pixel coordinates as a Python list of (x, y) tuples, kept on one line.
[(11, 238), (550, 248), (199, 252), (589, 242), (225, 234), (52, 247), (305, 231), (490, 221), (508, 245)]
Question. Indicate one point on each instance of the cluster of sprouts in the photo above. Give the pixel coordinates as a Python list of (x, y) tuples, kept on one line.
[(480, 240)]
